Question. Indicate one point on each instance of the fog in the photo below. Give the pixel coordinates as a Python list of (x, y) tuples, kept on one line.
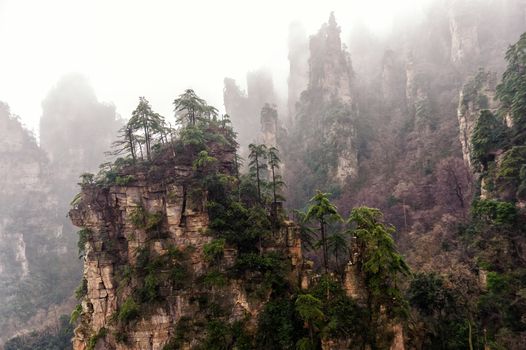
[(158, 48), (374, 103)]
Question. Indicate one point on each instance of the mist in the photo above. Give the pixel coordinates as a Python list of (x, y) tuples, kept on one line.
[(128, 49), (262, 175)]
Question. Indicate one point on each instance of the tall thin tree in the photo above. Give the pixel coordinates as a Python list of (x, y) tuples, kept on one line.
[(151, 123), (191, 107), (257, 156), (323, 211)]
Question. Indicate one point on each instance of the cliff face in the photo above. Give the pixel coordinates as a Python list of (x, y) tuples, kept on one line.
[(244, 108), (39, 265), (465, 48), (330, 69), (269, 126), (21, 170), (324, 122), (161, 267), (35, 252), (299, 67), (477, 94), (75, 131)]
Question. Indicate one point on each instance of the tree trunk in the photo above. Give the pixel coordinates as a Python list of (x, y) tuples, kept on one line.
[(274, 185), (146, 137), (257, 178), (324, 246), (131, 145), (470, 336)]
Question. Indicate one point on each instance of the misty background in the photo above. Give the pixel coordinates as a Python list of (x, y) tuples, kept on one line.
[(158, 48)]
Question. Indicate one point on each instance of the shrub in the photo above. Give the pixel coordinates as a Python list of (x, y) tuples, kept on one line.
[(141, 219), (82, 289), (182, 334), (179, 276), (258, 263), (488, 135), (123, 180), (84, 236), (128, 311), (214, 279), (279, 325), (76, 314), (150, 289), (120, 336), (92, 342), (138, 217), (493, 211), (214, 250)]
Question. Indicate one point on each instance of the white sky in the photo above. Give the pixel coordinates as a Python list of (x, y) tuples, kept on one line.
[(157, 48)]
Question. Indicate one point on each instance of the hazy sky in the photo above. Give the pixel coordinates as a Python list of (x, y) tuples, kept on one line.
[(157, 48)]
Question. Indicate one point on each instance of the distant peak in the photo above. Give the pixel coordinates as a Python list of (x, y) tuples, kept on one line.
[(332, 20)]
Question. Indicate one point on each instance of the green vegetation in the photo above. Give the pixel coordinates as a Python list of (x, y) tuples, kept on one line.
[(309, 309), (512, 89), (325, 213), (494, 212), (471, 92), (214, 279), (443, 310), (257, 156), (128, 311), (92, 341), (214, 250), (279, 325), (76, 314), (84, 237), (488, 136), (242, 212), (276, 180), (511, 175), (145, 119), (470, 317), (193, 108), (141, 219), (224, 336), (123, 180)]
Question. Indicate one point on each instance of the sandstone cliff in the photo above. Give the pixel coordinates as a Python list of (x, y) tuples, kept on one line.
[(324, 123), (148, 249), (244, 107), (37, 264)]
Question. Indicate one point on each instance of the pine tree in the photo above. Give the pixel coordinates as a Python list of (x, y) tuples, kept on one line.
[(257, 156), (274, 164), (151, 123), (192, 107), (325, 213), (125, 144), (378, 258)]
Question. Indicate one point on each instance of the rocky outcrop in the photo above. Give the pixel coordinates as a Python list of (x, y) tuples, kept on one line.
[(330, 70), (477, 94), (463, 25), (269, 125), (39, 265), (298, 67), (330, 75), (121, 254), (75, 131), (324, 123), (33, 244), (244, 107)]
